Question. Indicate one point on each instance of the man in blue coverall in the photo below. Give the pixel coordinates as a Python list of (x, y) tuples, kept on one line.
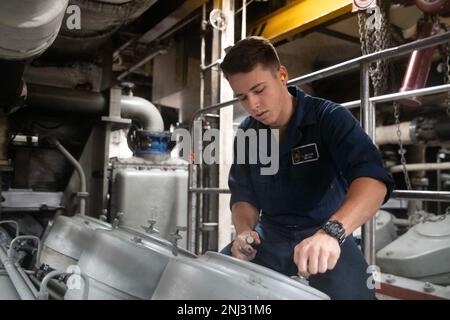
[(330, 179)]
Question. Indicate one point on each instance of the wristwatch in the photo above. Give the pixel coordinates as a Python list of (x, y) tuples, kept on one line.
[(335, 229)]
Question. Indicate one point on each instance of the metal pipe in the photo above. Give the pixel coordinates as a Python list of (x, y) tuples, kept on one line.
[(26, 278), (368, 118), (400, 95), (164, 36), (20, 285), (209, 190), (401, 222), (421, 167), (388, 134), (83, 189), (36, 240), (141, 63), (143, 111), (211, 115), (65, 100), (439, 156), (355, 63), (209, 66), (419, 66), (244, 20), (443, 196), (43, 290), (79, 101), (28, 29), (242, 8), (192, 172)]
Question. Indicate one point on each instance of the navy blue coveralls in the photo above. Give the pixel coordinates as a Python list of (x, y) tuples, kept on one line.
[(307, 191)]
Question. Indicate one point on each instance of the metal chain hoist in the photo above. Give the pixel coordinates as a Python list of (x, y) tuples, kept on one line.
[(375, 35)]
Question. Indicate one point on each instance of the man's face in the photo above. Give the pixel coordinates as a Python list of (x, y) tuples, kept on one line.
[(261, 93)]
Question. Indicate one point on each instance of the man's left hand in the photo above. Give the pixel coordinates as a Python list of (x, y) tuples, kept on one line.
[(317, 254)]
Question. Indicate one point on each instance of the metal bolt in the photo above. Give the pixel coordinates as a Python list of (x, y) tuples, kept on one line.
[(390, 278), (428, 287), (137, 239)]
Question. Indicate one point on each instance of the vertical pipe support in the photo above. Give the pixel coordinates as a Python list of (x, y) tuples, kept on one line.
[(368, 121)]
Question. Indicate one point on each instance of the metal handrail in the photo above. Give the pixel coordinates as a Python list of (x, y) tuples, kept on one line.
[(367, 108), (348, 65), (438, 196)]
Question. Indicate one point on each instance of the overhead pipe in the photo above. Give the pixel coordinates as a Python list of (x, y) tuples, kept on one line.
[(435, 6), (28, 28), (419, 66), (79, 101), (143, 111), (65, 100)]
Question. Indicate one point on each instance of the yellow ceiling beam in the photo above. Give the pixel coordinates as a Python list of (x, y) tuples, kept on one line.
[(299, 16)]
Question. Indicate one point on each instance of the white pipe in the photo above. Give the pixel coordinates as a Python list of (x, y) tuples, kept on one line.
[(143, 111), (29, 27), (20, 285), (421, 167), (83, 189), (43, 290), (388, 134)]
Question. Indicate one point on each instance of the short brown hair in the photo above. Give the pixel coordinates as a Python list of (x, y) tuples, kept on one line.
[(247, 53)]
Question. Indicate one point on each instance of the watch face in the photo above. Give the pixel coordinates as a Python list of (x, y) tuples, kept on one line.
[(333, 227)]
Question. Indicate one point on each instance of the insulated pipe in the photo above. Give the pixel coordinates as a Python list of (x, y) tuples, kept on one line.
[(83, 190), (65, 100), (29, 27), (421, 166), (19, 283), (143, 111), (79, 101), (388, 134)]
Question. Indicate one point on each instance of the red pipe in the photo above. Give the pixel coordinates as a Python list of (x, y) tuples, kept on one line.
[(433, 6), (419, 66)]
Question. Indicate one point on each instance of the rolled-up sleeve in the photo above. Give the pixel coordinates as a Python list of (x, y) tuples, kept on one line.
[(352, 149)]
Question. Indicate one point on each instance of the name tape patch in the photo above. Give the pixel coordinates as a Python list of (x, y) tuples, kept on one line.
[(306, 153)]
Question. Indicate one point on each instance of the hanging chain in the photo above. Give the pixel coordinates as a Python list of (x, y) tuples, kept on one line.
[(375, 35), (401, 150), (422, 217), (445, 55)]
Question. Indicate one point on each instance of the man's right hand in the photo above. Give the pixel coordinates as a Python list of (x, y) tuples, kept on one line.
[(241, 249)]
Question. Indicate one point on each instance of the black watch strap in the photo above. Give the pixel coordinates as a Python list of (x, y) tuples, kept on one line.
[(335, 229)]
